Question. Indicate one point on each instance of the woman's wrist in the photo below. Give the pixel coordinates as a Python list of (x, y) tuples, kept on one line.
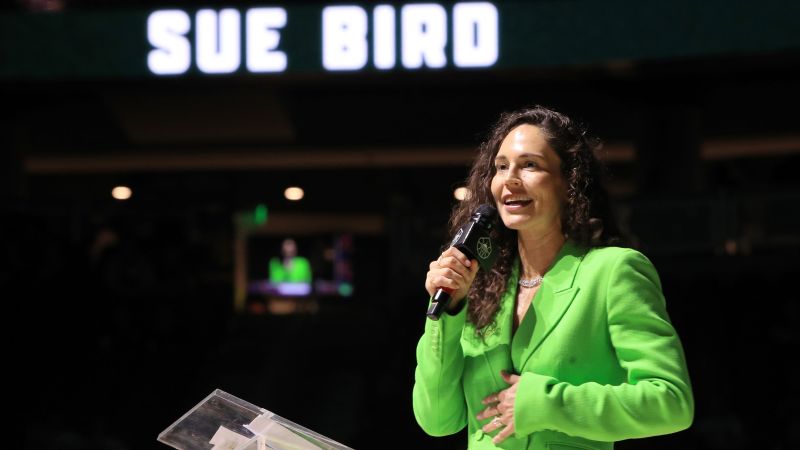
[(455, 307)]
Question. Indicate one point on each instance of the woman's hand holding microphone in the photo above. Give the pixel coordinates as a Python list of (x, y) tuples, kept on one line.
[(453, 271)]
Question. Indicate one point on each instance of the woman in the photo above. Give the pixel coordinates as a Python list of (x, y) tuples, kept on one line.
[(566, 343)]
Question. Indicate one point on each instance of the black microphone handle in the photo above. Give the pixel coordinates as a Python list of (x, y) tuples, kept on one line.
[(439, 303)]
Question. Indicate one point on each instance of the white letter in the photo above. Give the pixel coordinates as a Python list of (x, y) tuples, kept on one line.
[(165, 31), (262, 38), (217, 41), (424, 35), (474, 34), (383, 37), (344, 38)]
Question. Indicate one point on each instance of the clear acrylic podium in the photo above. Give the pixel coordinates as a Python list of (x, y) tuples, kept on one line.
[(225, 422)]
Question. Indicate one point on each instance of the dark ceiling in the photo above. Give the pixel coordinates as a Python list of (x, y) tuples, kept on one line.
[(229, 140)]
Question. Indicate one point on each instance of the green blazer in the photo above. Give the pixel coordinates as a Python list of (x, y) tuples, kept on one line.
[(598, 357)]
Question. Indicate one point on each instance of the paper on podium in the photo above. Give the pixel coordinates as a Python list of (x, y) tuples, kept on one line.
[(225, 422)]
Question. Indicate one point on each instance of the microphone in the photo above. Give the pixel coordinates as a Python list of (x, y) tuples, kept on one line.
[(474, 240)]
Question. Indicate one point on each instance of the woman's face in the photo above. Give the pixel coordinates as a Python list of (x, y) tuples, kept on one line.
[(527, 187), (289, 248)]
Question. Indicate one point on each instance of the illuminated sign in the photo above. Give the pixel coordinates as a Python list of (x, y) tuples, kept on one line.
[(217, 41), (302, 38), (426, 32), (423, 38)]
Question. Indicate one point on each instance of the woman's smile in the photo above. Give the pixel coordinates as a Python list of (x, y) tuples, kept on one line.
[(516, 203), (527, 186)]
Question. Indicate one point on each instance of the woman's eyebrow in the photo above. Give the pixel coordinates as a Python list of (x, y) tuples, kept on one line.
[(531, 155), (522, 155)]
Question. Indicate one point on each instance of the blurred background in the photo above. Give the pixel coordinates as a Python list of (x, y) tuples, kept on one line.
[(143, 213)]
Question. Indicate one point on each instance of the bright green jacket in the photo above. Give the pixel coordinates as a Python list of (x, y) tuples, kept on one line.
[(598, 357), (299, 272)]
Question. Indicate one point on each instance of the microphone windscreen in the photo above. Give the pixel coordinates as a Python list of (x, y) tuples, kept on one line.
[(486, 210)]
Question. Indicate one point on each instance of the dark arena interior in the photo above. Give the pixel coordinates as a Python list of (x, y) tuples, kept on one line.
[(124, 314)]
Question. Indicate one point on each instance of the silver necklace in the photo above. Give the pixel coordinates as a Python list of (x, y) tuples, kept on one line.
[(533, 282)]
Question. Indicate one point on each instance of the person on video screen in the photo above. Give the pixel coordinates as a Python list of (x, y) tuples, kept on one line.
[(291, 273)]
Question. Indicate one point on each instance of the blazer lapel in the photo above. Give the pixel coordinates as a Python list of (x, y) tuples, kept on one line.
[(498, 332), (554, 296)]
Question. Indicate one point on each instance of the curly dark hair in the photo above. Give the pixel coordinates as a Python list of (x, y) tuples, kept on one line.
[(586, 219)]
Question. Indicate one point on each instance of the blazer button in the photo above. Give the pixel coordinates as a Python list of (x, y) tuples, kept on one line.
[(479, 434)]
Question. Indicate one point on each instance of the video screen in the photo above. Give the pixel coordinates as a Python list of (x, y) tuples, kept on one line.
[(288, 266)]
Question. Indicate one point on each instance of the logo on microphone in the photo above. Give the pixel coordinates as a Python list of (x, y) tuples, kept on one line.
[(484, 247), (458, 236)]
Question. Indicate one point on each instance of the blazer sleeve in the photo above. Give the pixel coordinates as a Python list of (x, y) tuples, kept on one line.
[(655, 399), (438, 397)]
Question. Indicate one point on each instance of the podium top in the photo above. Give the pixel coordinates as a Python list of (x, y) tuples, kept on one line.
[(223, 421)]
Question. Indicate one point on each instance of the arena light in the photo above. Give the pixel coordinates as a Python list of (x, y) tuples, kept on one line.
[(461, 193), (121, 192), (293, 193)]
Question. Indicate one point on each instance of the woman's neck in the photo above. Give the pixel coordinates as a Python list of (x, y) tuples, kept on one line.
[(537, 252)]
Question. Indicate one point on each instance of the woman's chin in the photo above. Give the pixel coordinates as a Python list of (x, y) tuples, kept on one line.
[(529, 224), (513, 223)]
